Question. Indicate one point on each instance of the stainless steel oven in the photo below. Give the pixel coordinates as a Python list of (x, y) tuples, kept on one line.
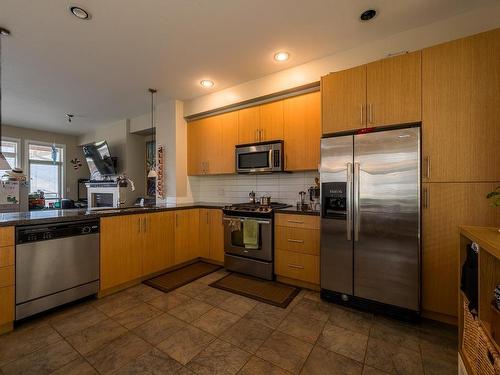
[(262, 157), (256, 262), (233, 239)]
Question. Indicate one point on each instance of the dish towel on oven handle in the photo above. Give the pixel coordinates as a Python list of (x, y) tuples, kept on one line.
[(251, 234), (234, 225)]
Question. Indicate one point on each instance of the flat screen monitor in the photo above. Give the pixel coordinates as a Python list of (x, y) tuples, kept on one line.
[(99, 160)]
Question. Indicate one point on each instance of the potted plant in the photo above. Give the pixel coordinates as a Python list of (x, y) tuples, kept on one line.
[(494, 197)]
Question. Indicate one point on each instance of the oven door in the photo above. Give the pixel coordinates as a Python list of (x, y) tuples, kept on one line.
[(233, 239)]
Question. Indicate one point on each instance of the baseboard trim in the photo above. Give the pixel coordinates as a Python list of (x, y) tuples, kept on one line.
[(299, 283), (443, 318)]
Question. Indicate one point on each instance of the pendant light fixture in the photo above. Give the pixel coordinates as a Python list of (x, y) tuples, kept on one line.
[(152, 172), (4, 165)]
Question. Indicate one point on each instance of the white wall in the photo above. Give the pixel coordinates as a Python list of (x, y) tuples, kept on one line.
[(465, 24), (73, 150)]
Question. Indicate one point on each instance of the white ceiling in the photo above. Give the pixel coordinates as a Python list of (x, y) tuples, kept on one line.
[(54, 63)]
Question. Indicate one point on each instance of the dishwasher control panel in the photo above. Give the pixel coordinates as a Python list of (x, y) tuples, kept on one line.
[(45, 232)]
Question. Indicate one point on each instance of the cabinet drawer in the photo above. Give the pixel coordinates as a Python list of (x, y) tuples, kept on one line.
[(298, 240), (6, 305), (297, 221), (7, 236), (6, 276), (297, 266), (6, 256)]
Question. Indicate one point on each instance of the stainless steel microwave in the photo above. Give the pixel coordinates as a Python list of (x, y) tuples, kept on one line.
[(262, 157)]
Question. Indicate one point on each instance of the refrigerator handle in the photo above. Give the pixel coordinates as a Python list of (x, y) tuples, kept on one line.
[(349, 201), (357, 214)]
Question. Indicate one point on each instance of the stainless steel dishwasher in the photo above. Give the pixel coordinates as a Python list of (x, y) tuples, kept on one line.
[(55, 264)]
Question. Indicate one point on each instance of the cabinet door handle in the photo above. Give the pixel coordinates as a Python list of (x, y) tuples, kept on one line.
[(426, 198), (370, 114), (256, 135), (262, 134), (296, 241), (295, 222), (140, 225), (296, 266), (427, 163), (361, 114), (207, 167)]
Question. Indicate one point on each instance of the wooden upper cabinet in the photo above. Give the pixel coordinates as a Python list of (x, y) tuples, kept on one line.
[(121, 243), (394, 90), (186, 235), (271, 121), (211, 144), (302, 131), (461, 109), (229, 139), (343, 100), (159, 240), (195, 154), (445, 207), (248, 125)]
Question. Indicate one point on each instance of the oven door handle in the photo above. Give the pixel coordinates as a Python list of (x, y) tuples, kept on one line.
[(227, 218)]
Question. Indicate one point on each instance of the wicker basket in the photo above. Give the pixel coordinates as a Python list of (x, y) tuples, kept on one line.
[(470, 338), (488, 359)]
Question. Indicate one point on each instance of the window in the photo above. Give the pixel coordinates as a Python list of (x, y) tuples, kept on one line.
[(10, 149), (46, 169)]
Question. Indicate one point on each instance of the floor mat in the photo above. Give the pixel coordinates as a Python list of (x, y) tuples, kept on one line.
[(271, 292), (182, 276)]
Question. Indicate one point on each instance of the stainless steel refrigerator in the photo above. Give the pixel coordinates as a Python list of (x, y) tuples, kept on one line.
[(370, 218)]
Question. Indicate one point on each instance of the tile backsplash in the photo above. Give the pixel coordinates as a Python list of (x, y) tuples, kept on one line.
[(283, 187)]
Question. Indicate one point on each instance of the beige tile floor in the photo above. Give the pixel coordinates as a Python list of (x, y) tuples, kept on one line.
[(201, 330)]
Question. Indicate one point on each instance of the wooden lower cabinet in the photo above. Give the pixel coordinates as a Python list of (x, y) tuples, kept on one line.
[(216, 251), (204, 233), (7, 279), (303, 267), (7, 304), (445, 207), (304, 241), (121, 243), (211, 234), (158, 242), (187, 226), (296, 249)]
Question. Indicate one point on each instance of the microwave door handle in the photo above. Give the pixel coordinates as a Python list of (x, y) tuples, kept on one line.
[(271, 158)]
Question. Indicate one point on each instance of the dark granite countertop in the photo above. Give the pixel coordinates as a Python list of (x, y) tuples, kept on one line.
[(55, 216), (295, 211)]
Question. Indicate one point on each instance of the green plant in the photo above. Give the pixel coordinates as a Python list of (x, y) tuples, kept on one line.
[(494, 197)]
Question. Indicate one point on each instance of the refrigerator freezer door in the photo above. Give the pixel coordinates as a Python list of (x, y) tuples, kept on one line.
[(336, 214), (387, 217)]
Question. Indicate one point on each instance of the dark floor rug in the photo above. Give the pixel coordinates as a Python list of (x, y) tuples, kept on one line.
[(182, 276), (271, 292)]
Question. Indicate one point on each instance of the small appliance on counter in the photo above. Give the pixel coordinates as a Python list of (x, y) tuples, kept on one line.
[(14, 191)]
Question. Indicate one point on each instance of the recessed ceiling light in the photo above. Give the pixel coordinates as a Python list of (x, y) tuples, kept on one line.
[(281, 56), (79, 13), (206, 83), (368, 14), (4, 32)]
